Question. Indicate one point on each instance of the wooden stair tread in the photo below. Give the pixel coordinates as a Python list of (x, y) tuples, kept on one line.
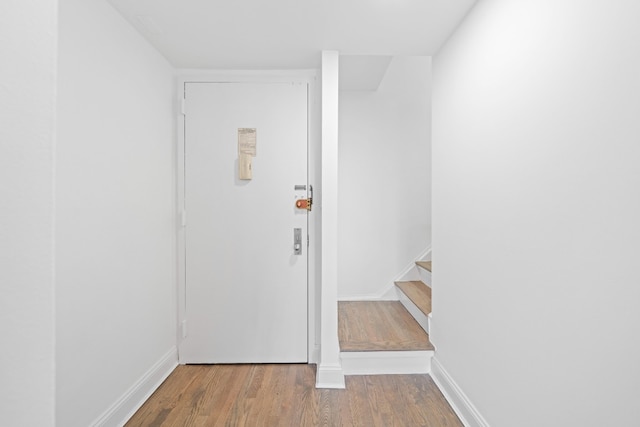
[(419, 293), (424, 264), (379, 326)]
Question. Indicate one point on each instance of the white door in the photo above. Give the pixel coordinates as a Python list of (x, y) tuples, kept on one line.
[(246, 288)]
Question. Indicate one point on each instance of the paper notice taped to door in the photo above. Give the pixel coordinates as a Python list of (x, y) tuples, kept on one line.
[(246, 151), (244, 166), (247, 141)]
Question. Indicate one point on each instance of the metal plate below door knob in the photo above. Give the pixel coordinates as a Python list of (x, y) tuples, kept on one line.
[(297, 241)]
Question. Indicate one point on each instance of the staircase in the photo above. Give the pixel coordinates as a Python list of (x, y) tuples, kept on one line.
[(389, 337)]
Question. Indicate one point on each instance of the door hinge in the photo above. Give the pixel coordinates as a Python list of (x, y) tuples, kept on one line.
[(307, 240), (183, 218), (184, 328), (183, 103)]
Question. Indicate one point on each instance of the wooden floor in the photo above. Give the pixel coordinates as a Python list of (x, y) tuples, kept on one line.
[(285, 395), (379, 326)]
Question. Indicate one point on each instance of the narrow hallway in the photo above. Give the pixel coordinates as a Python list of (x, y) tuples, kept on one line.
[(285, 395)]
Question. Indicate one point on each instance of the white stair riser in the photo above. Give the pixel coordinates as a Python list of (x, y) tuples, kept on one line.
[(386, 362), (422, 319), (425, 275)]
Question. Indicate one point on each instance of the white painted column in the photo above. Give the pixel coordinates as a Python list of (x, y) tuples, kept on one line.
[(329, 373), (28, 46)]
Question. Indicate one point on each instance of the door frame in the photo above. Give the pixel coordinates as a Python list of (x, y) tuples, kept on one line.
[(308, 77)]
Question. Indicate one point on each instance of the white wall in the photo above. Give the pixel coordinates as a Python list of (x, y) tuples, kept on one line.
[(384, 178), (115, 223), (536, 237), (27, 145)]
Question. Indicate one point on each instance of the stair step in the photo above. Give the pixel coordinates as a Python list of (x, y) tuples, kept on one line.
[(424, 264), (383, 326), (381, 337), (424, 271), (419, 294), (415, 296)]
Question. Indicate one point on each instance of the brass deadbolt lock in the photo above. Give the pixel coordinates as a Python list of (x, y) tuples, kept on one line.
[(304, 204)]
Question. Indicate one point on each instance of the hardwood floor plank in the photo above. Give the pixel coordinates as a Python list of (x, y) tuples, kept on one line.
[(179, 381), (285, 395), (225, 412), (309, 409), (379, 326), (360, 408)]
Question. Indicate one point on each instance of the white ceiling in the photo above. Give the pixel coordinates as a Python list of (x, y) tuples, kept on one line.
[(289, 34)]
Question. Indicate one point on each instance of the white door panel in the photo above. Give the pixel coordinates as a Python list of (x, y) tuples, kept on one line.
[(246, 291)]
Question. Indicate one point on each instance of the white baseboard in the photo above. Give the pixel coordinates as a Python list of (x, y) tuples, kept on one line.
[(124, 408), (423, 320), (386, 362), (459, 401), (389, 294), (329, 376)]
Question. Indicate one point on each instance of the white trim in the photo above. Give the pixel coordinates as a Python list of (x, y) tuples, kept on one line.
[(422, 319), (308, 77), (466, 411), (127, 405), (387, 294), (314, 354), (314, 157), (329, 371), (330, 377), (388, 291), (386, 362), (245, 76), (180, 207)]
